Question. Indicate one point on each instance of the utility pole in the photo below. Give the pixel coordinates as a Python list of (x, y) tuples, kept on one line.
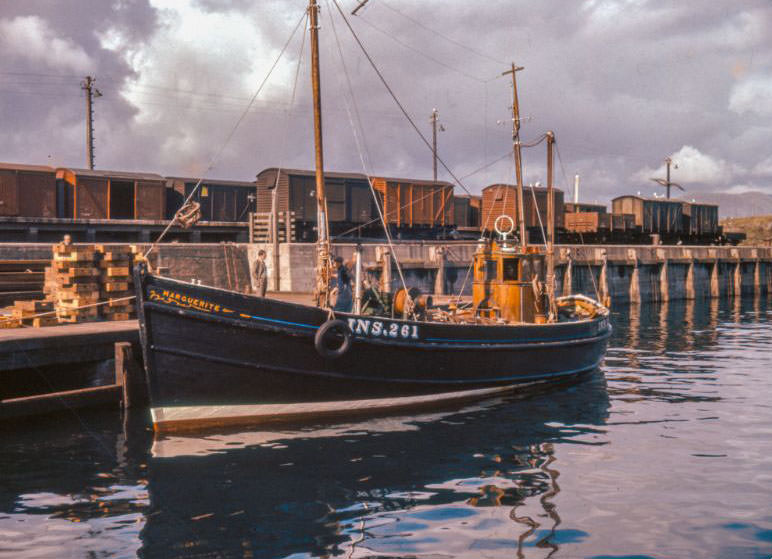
[(91, 92), (667, 183), (518, 156), (434, 119)]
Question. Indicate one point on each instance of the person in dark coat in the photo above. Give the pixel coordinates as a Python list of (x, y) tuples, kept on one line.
[(261, 274), (343, 285)]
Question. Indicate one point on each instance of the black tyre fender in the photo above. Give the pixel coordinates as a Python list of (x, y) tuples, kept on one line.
[(325, 332)]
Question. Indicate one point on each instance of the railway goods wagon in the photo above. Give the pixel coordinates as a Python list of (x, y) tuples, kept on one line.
[(220, 200), (498, 199), (90, 194), (350, 203), (466, 211), (701, 220), (415, 203), (27, 190), (580, 207), (653, 216)]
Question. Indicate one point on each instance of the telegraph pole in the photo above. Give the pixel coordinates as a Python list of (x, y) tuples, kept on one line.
[(666, 182), (433, 119), (91, 92), (518, 156)]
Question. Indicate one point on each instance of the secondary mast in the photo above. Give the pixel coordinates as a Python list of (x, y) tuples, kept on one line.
[(323, 240), (518, 157)]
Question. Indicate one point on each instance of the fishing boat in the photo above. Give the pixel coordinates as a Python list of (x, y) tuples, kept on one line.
[(217, 358)]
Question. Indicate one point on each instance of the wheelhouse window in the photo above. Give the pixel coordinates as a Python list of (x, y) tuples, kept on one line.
[(509, 269), (490, 270)]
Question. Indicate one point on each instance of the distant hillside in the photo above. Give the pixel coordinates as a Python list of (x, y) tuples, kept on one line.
[(758, 229), (736, 205)]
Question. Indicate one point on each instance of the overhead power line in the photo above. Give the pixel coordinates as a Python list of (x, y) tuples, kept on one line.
[(441, 35)]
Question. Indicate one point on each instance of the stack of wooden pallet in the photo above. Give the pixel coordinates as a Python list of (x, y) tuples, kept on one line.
[(21, 280), (28, 313), (73, 283), (116, 285)]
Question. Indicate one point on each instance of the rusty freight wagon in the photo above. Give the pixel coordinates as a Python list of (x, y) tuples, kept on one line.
[(350, 203), (654, 216), (89, 194), (498, 199), (466, 212), (415, 206), (27, 190), (701, 222), (220, 200)]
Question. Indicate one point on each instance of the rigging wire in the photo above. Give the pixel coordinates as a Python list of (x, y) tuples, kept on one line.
[(581, 237), (217, 155), (362, 153), (289, 112), (427, 56), (394, 97), (435, 32), (488, 165)]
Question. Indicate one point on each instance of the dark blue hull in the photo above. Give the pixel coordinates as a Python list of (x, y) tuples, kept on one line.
[(211, 347)]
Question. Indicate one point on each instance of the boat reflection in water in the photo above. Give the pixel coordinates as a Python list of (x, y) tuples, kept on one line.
[(482, 477)]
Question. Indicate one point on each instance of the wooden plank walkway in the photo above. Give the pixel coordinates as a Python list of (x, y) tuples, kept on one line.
[(22, 348)]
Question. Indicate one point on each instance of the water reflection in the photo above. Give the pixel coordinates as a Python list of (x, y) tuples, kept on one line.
[(387, 486)]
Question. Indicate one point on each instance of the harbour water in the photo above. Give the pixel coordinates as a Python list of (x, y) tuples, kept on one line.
[(665, 453)]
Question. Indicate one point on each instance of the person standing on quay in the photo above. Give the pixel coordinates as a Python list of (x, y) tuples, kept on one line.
[(261, 274)]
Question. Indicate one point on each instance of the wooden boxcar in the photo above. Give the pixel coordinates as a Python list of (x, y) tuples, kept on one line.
[(498, 199), (581, 207), (89, 194), (653, 216), (466, 211), (415, 203), (220, 200), (27, 190), (701, 221), (349, 201)]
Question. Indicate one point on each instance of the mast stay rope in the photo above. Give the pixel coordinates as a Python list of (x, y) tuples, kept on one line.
[(215, 158)]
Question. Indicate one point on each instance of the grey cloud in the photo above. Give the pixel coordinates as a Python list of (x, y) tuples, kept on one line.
[(622, 83)]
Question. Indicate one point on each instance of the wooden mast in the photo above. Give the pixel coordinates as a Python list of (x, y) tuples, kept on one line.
[(322, 292), (550, 277), (518, 157)]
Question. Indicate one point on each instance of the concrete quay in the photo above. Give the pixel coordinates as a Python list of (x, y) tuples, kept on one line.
[(623, 273)]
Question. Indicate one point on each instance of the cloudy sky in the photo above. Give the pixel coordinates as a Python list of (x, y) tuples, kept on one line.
[(623, 83)]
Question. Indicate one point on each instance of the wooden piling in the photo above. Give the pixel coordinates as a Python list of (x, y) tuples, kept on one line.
[(568, 274), (439, 280), (635, 279), (738, 278), (689, 289), (130, 376), (664, 283), (714, 285)]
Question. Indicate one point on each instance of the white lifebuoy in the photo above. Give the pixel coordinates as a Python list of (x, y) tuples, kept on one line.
[(497, 227)]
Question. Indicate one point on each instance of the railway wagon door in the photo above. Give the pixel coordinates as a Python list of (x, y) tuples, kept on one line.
[(121, 199), (9, 193)]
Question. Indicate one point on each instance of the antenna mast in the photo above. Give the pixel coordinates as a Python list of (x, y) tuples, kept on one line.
[(518, 157), (323, 240), (550, 277), (87, 85)]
